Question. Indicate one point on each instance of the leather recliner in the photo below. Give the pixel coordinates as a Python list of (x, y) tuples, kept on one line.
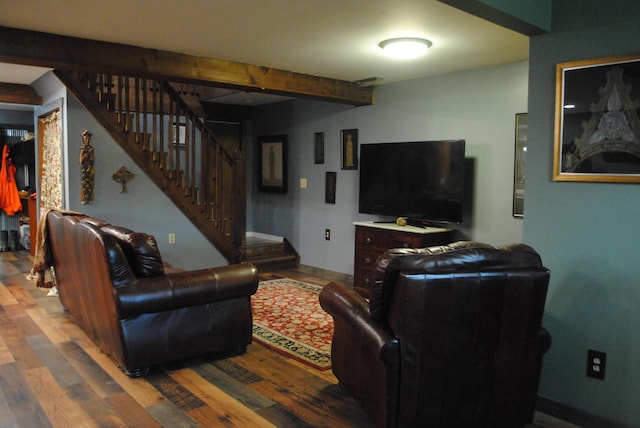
[(113, 282), (450, 337)]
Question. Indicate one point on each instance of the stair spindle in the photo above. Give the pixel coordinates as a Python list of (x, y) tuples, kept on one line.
[(161, 152), (119, 86), (155, 131), (100, 87), (204, 179), (89, 80), (190, 154), (218, 172), (174, 131), (145, 113), (136, 122), (127, 114)]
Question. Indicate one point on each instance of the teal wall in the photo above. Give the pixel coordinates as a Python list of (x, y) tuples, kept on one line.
[(536, 12), (587, 233)]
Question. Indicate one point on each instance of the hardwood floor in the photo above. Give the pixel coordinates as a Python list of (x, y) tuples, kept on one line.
[(52, 375)]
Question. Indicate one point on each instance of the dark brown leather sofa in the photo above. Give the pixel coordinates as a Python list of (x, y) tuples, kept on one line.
[(451, 336), (113, 282)]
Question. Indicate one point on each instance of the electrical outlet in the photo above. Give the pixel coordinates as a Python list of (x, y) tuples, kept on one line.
[(327, 234), (172, 238), (596, 364)]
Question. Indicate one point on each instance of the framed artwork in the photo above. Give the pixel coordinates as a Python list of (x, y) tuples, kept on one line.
[(179, 133), (597, 128), (349, 148), (272, 163), (518, 164), (330, 187), (318, 148)]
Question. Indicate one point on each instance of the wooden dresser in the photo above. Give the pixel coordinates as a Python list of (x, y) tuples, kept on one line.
[(373, 239)]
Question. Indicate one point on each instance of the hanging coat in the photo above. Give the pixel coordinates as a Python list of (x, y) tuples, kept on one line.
[(9, 197)]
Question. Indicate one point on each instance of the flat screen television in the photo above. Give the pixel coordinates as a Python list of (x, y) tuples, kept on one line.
[(422, 181)]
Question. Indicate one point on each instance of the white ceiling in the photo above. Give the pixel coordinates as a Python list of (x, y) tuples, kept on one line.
[(329, 38)]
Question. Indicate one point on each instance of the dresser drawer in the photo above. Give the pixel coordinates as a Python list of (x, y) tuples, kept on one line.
[(366, 258), (378, 239), (372, 241)]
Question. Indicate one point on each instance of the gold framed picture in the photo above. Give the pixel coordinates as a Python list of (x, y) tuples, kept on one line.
[(349, 148), (597, 128)]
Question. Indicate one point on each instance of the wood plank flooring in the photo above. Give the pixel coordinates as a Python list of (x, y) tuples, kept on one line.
[(52, 375)]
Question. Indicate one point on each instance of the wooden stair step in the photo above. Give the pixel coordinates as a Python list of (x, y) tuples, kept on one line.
[(265, 264), (264, 250), (282, 257), (268, 254)]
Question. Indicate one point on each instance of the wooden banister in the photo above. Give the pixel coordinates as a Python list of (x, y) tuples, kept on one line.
[(145, 117)]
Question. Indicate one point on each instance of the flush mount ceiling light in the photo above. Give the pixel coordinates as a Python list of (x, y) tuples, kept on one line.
[(405, 47)]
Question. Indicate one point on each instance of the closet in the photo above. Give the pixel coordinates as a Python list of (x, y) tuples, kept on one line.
[(16, 231)]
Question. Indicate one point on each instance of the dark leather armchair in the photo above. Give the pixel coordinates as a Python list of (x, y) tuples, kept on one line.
[(451, 336)]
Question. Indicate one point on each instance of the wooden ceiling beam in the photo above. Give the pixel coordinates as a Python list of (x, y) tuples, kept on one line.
[(70, 53), (19, 94)]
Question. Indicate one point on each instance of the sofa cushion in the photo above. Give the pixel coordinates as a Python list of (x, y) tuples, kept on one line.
[(83, 236), (186, 289), (141, 250)]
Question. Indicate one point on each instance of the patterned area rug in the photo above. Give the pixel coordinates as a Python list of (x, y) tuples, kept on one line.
[(287, 318)]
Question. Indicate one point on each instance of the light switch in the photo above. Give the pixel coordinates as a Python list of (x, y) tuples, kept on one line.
[(303, 183)]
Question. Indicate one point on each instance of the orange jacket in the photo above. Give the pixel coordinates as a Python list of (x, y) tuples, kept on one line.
[(9, 197)]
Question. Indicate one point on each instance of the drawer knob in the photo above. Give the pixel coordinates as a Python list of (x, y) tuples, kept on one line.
[(367, 240), (367, 281), (367, 260), (405, 245)]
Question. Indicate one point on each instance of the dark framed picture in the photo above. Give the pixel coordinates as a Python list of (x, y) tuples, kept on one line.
[(318, 148), (272, 163), (179, 134), (330, 187), (519, 159), (349, 148), (597, 128)]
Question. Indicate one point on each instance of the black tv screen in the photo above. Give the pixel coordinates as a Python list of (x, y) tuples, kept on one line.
[(423, 181)]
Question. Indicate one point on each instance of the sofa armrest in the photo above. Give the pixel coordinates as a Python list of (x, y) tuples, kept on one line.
[(188, 288), (350, 309)]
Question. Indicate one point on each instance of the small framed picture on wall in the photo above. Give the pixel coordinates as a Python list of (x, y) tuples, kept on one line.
[(349, 148), (318, 148), (330, 187), (272, 163)]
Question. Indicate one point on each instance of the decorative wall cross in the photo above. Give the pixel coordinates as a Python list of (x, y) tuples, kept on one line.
[(122, 175)]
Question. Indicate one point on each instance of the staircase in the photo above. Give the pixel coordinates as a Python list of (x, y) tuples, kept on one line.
[(269, 254), (165, 138)]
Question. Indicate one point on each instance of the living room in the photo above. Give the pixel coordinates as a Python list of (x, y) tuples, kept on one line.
[(593, 299), (585, 232)]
